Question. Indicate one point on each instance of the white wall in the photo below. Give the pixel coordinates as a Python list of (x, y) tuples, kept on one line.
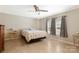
[(37, 24), (72, 21), (41, 24), (15, 22)]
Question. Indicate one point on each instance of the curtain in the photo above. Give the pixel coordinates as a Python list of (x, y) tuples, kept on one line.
[(63, 30), (53, 27), (46, 24)]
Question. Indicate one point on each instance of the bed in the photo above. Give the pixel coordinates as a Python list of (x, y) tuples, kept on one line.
[(33, 34)]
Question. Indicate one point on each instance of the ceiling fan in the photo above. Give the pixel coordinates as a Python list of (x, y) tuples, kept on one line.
[(39, 10)]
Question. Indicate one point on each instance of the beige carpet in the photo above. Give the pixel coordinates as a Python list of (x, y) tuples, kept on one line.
[(51, 44)]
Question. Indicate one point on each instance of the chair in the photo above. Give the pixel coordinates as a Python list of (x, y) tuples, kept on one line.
[(76, 38)]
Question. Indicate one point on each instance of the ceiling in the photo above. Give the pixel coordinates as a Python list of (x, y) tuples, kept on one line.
[(29, 11)]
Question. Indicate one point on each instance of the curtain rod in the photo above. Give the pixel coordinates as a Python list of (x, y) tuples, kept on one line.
[(54, 17)]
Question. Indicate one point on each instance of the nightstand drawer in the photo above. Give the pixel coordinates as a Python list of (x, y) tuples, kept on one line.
[(12, 35)]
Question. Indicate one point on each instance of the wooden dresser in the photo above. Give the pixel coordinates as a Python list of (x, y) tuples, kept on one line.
[(1, 38)]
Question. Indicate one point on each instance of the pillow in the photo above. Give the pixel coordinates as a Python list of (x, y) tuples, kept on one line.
[(29, 29)]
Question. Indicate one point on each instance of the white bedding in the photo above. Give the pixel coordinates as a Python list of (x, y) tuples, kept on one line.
[(33, 34)]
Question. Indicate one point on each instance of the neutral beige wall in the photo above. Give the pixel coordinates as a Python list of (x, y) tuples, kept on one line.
[(72, 21), (15, 22)]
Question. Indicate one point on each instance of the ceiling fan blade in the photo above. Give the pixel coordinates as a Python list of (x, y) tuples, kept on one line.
[(43, 10), (36, 8)]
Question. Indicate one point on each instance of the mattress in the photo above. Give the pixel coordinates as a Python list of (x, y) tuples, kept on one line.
[(33, 34)]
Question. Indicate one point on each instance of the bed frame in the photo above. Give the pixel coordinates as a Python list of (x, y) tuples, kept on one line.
[(33, 40)]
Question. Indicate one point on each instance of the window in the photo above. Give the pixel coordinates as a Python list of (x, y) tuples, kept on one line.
[(58, 26)]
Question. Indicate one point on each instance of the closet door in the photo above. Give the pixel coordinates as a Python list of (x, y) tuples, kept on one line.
[(1, 38)]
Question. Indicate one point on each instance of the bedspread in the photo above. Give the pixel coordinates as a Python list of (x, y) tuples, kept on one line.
[(33, 34)]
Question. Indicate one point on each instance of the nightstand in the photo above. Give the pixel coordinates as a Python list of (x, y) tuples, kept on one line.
[(13, 35)]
